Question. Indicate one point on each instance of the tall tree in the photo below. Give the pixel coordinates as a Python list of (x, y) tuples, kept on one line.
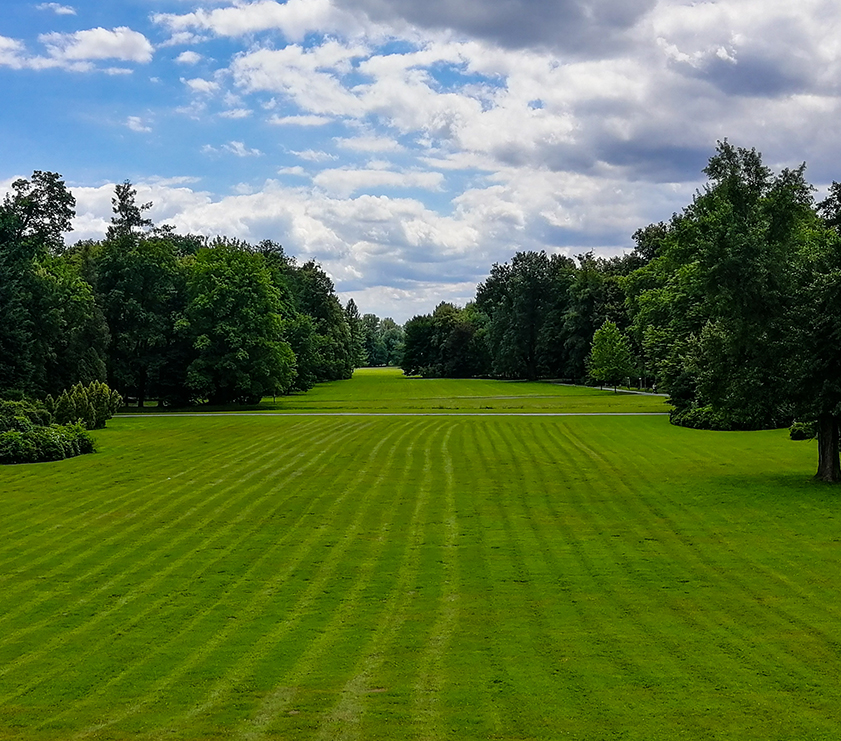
[(356, 330), (233, 319), (516, 298), (128, 219), (610, 360)]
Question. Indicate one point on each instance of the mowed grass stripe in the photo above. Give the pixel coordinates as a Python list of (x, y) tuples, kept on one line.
[(351, 656), (427, 713), (86, 473), (707, 639), (196, 504), (155, 608), (162, 503), (140, 591), (652, 656), (194, 657), (276, 707), (334, 594), (534, 570), (742, 577), (614, 578)]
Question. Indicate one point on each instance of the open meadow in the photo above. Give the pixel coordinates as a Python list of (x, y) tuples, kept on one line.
[(392, 558)]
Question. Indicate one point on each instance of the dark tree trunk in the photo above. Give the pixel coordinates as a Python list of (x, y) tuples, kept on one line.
[(829, 462)]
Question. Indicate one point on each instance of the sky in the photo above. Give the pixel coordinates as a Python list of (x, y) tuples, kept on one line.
[(404, 145)]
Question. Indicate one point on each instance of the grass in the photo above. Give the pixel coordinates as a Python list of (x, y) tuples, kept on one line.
[(421, 577), (387, 390)]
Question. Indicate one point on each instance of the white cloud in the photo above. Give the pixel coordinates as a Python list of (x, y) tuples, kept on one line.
[(188, 57), (309, 77), (234, 147), (370, 144), (57, 8), (12, 53), (201, 86), (313, 155), (135, 123), (307, 121), (98, 43), (235, 113), (240, 150), (343, 182), (294, 19)]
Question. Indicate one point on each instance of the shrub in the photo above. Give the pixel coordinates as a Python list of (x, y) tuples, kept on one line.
[(93, 404), (803, 430), (701, 418), (17, 447)]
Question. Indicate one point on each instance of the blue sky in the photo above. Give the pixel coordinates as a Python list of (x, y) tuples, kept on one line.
[(407, 146)]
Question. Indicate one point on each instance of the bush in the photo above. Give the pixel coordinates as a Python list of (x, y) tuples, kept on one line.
[(50, 443), (93, 404), (803, 430), (701, 418), (12, 414)]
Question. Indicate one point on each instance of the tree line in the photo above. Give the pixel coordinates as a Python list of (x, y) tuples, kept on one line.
[(161, 315), (732, 307)]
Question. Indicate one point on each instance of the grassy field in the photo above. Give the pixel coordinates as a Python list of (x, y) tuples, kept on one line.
[(422, 577), (386, 390)]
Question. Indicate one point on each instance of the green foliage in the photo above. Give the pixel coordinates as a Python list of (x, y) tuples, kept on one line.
[(807, 430), (27, 434), (232, 318), (315, 296), (446, 344), (610, 360), (41, 444), (92, 405)]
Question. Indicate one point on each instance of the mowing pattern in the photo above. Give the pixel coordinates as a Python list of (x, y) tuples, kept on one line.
[(265, 578)]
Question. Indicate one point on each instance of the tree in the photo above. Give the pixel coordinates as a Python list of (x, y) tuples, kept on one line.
[(128, 219), (356, 330), (711, 309), (140, 285), (610, 360), (233, 321), (814, 346), (315, 295), (517, 299), (42, 209), (33, 218)]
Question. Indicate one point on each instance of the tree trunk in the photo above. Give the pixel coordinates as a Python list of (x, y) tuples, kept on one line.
[(829, 462)]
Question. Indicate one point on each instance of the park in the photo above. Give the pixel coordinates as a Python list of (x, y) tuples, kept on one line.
[(402, 558)]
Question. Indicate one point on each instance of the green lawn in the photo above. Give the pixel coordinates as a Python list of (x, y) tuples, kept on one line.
[(422, 577), (387, 390)]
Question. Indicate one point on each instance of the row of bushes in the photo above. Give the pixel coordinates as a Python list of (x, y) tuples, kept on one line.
[(35, 431), (50, 443)]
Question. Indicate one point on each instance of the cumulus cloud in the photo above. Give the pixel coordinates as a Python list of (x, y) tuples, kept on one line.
[(202, 86), (188, 57), (294, 19), (136, 123), (235, 113), (345, 181), (549, 124), (12, 53), (585, 27), (369, 144), (57, 8), (313, 155), (98, 43)]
